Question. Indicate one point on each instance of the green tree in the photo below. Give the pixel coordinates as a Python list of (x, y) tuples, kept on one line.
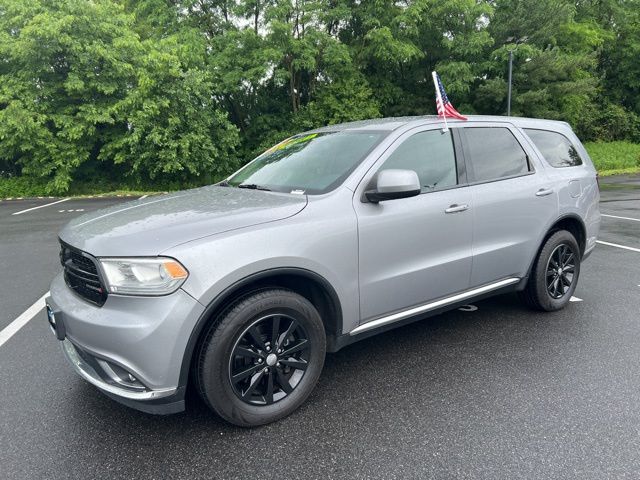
[(398, 44), (66, 63), (186, 90), (79, 87), (172, 127)]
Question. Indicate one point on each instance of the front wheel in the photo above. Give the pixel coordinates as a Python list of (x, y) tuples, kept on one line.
[(555, 273), (263, 358)]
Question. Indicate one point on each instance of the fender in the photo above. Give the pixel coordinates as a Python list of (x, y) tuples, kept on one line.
[(229, 292)]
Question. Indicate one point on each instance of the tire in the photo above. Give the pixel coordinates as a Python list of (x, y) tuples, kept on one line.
[(547, 289), (262, 359)]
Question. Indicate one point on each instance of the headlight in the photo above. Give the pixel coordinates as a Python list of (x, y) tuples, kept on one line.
[(143, 276)]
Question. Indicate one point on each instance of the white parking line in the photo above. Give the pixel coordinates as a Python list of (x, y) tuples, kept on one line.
[(11, 329), (621, 218), (575, 299), (618, 246), (41, 206)]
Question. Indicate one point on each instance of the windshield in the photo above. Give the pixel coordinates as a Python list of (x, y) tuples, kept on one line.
[(312, 163)]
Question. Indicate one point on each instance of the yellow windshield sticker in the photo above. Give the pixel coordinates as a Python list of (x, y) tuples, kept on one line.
[(291, 141)]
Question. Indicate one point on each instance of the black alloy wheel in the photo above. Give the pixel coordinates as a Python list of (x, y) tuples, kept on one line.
[(269, 359), (560, 270), (554, 273), (261, 357)]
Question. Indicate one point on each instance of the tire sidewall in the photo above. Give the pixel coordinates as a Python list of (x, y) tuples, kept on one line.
[(214, 375)]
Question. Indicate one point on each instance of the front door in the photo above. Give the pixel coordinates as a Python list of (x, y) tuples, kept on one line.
[(414, 250)]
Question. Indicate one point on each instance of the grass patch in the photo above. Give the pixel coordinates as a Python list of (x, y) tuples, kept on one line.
[(613, 158)]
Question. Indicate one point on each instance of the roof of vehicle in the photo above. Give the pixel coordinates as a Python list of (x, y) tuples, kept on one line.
[(392, 123)]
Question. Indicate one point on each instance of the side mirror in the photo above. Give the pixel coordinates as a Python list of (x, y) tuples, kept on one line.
[(392, 184)]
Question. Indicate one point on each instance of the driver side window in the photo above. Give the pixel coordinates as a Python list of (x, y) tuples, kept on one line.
[(431, 155)]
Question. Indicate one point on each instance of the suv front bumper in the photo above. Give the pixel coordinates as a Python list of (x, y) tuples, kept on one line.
[(131, 348)]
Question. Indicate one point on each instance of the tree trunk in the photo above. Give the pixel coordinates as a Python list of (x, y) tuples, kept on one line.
[(256, 16), (292, 86)]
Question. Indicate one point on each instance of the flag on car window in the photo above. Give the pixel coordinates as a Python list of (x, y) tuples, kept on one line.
[(443, 105)]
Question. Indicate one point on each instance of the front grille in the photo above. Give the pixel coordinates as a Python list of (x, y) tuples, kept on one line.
[(81, 275)]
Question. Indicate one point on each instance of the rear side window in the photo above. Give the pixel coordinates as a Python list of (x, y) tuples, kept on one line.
[(495, 153), (557, 150), (431, 155)]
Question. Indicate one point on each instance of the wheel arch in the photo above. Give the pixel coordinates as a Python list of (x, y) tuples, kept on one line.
[(570, 222), (307, 283), (574, 225)]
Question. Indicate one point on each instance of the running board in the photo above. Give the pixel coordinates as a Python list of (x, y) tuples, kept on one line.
[(432, 306)]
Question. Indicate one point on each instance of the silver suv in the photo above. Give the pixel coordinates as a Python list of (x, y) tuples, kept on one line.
[(240, 288)]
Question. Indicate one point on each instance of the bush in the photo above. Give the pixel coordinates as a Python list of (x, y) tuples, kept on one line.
[(12, 187), (22, 187)]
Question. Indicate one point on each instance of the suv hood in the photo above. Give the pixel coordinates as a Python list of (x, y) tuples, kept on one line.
[(150, 226)]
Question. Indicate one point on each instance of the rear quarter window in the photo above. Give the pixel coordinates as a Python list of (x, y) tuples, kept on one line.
[(557, 150)]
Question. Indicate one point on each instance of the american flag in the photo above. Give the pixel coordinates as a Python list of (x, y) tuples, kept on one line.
[(445, 109)]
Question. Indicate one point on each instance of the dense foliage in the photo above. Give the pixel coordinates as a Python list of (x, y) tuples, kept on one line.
[(186, 90)]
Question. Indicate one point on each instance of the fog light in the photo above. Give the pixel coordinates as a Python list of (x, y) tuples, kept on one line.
[(52, 316), (120, 376), (56, 325)]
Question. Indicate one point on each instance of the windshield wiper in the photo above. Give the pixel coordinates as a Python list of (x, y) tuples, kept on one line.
[(253, 186)]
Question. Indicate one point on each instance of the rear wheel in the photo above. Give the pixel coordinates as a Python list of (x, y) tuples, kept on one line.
[(555, 273), (264, 357)]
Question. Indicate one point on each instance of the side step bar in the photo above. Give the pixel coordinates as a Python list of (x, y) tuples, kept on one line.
[(394, 317)]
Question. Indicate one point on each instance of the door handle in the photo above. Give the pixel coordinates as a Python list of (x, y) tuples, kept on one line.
[(455, 208), (543, 192)]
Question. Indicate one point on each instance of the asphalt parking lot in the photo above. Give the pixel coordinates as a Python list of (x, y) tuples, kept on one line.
[(497, 392)]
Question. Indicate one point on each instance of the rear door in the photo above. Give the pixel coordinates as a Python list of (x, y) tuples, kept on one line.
[(513, 201), (413, 250)]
